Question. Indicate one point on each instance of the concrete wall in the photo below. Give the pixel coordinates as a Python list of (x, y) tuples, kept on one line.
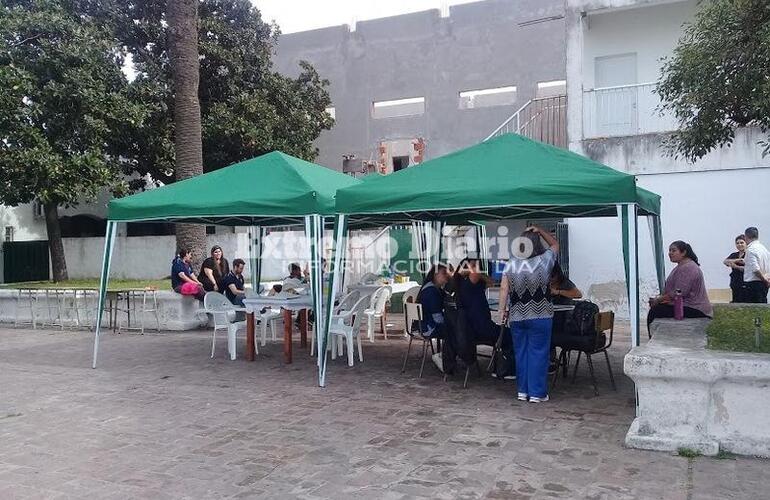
[(691, 397), (480, 45)]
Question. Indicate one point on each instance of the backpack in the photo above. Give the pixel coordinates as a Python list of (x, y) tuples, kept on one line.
[(582, 321)]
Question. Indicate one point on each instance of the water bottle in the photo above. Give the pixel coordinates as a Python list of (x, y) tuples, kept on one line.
[(678, 305)]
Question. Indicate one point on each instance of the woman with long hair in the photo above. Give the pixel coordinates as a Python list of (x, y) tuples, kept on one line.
[(735, 262), (214, 269), (525, 303), (431, 296), (685, 279)]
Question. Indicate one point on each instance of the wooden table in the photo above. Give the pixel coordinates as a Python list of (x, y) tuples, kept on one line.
[(287, 303)]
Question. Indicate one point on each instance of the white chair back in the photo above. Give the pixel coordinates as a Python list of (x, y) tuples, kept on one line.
[(220, 308), (380, 299), (358, 312), (412, 313), (411, 294), (347, 301)]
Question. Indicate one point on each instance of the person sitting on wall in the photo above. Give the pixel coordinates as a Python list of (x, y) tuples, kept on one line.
[(233, 283), (213, 270), (686, 279), (183, 280)]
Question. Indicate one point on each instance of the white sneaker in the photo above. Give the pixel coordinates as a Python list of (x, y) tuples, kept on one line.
[(522, 396), (507, 377), (438, 361), (539, 400)]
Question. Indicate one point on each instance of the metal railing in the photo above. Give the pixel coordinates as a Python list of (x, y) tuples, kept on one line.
[(543, 119), (624, 110)]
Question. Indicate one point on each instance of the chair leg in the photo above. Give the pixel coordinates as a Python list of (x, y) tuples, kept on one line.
[(213, 342), (360, 352), (609, 369), (231, 332), (406, 356), (263, 328), (577, 362), (333, 341), (593, 376), (424, 354), (384, 325), (467, 372), (349, 342), (370, 327)]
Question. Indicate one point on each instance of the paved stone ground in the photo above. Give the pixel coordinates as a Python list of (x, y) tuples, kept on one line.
[(159, 419)]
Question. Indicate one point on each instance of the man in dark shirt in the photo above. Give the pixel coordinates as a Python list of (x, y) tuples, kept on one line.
[(233, 283)]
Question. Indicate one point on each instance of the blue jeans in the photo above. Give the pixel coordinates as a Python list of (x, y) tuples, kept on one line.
[(532, 343)]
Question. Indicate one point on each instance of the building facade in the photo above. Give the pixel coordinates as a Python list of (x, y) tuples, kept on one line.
[(614, 56), (417, 86)]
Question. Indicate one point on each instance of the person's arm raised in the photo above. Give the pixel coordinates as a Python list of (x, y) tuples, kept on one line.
[(552, 242)]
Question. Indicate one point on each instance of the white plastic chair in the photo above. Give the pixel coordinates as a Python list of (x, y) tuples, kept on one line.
[(268, 318), (413, 328), (223, 312), (347, 325), (347, 302), (376, 310)]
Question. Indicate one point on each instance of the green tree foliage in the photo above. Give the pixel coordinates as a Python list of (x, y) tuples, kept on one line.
[(247, 108), (717, 78), (64, 107)]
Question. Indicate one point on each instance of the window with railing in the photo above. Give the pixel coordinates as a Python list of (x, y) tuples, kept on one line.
[(624, 110)]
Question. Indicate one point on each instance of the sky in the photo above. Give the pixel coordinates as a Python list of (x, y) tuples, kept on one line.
[(302, 15)]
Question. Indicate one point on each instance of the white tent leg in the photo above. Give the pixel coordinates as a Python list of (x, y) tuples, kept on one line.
[(628, 215), (109, 244), (338, 261)]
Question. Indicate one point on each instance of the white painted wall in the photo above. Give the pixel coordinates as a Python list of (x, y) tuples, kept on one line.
[(26, 227)]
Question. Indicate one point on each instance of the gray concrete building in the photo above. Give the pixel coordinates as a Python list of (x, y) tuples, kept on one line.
[(417, 86)]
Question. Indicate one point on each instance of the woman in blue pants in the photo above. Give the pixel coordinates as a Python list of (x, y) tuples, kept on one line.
[(526, 305)]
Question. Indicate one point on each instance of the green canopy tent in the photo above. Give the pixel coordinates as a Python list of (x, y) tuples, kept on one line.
[(507, 177), (271, 190)]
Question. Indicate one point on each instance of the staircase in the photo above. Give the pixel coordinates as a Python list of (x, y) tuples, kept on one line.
[(543, 119)]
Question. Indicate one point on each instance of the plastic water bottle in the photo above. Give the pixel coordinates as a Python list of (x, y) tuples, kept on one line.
[(678, 305)]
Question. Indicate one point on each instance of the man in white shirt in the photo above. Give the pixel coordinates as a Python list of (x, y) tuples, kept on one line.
[(756, 271)]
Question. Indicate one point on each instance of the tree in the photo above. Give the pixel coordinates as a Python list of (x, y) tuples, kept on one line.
[(247, 108), (188, 147), (717, 78), (64, 104)]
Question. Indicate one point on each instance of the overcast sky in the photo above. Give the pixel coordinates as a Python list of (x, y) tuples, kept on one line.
[(301, 15)]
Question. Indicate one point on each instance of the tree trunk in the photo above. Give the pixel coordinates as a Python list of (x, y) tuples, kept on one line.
[(183, 52), (55, 244)]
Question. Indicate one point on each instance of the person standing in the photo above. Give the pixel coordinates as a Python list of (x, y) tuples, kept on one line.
[(526, 305), (213, 270), (233, 283), (756, 269), (735, 262)]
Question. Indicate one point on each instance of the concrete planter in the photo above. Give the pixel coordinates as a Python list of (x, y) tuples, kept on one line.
[(175, 312), (690, 397)]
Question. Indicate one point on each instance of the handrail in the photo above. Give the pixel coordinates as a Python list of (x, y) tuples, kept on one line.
[(542, 119), (510, 118), (617, 87)]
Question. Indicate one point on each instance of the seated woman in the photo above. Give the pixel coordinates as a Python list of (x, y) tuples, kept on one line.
[(431, 296), (470, 285), (687, 279), (563, 291), (213, 270), (182, 273)]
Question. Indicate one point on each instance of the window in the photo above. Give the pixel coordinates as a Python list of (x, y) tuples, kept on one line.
[(400, 163), (331, 111), (482, 98), (8, 233), (551, 88), (398, 107)]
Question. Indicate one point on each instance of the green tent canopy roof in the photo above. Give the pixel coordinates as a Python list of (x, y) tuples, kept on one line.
[(272, 189), (507, 177)]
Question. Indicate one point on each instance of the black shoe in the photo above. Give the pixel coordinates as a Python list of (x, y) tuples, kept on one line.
[(552, 368)]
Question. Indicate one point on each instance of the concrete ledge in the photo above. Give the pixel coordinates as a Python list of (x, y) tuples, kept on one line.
[(690, 397), (175, 312)]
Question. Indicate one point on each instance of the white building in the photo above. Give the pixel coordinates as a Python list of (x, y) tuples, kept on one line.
[(614, 51)]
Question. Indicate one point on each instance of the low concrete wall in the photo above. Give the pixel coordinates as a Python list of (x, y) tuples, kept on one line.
[(690, 397), (175, 312)]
